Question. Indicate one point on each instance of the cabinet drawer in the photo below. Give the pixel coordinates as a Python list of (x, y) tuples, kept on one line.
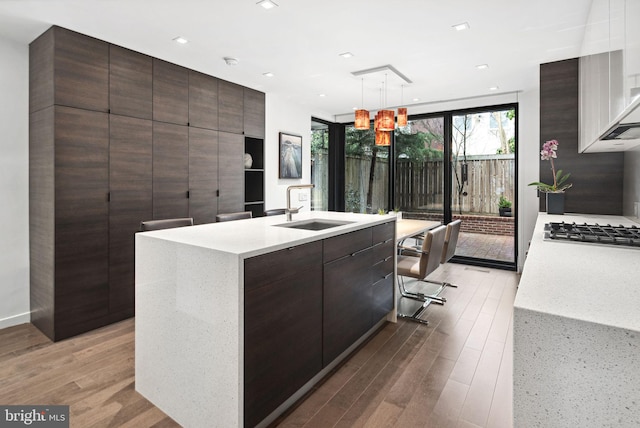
[(278, 265), (347, 244), (384, 232), (382, 269), (384, 250), (382, 298)]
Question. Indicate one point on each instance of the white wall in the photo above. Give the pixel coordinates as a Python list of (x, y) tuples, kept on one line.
[(282, 116), (14, 183)]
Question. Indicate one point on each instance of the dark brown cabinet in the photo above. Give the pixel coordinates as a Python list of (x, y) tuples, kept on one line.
[(69, 69), (347, 291), (383, 267), (170, 170), (203, 100), (254, 108), (203, 175), (230, 172), (131, 185), (170, 93), (282, 326), (69, 219), (130, 83), (115, 138), (230, 107)]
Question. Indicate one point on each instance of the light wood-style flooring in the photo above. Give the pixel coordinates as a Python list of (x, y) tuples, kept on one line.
[(455, 372)]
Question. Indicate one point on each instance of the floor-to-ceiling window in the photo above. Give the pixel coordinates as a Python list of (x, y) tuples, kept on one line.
[(462, 165), (366, 172), (320, 165)]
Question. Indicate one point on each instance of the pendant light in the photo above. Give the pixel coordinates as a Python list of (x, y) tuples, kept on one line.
[(402, 111), (386, 118), (362, 116), (383, 138)]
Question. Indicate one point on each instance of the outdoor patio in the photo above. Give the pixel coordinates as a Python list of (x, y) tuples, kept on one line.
[(492, 247)]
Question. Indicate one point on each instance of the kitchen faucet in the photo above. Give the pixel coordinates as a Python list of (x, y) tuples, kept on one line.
[(290, 210)]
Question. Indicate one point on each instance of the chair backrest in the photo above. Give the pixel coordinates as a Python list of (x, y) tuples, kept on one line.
[(233, 216), (168, 223), (275, 211), (432, 250), (451, 240)]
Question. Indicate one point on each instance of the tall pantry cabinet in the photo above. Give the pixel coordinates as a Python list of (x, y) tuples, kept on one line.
[(117, 137)]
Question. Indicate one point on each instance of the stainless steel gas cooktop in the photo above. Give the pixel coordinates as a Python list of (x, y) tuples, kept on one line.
[(593, 233)]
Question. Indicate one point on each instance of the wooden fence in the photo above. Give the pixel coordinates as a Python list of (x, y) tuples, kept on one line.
[(420, 186)]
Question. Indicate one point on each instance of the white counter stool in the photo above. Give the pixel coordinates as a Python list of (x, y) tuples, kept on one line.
[(419, 265), (168, 223)]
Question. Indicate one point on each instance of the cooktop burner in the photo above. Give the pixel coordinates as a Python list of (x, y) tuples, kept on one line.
[(593, 233)]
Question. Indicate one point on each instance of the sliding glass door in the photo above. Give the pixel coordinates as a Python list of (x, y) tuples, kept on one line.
[(462, 165)]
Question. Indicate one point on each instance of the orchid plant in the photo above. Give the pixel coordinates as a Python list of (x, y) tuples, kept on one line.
[(559, 179)]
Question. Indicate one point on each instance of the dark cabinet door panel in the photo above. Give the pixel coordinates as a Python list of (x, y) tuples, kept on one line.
[(230, 107), (81, 215), (130, 183), (130, 83), (382, 298), (347, 303), (170, 170), (203, 175), (230, 172), (170, 93), (343, 245), (41, 59), (384, 232), (81, 71), (203, 100), (282, 328), (254, 109)]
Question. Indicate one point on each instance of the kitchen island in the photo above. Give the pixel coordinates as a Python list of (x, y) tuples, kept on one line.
[(235, 321), (577, 332)]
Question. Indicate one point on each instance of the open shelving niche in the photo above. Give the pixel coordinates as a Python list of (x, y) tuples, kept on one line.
[(254, 177)]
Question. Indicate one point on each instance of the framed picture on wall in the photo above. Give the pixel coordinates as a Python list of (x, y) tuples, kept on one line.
[(290, 155)]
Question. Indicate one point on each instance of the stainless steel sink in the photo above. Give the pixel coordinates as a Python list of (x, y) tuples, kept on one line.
[(314, 224)]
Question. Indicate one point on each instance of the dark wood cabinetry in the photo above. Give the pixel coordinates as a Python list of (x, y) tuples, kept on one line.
[(170, 170), (347, 291), (118, 137), (230, 107), (230, 172), (254, 108), (170, 93), (383, 269), (282, 327), (131, 185), (130, 83), (203, 100), (203, 175), (69, 69)]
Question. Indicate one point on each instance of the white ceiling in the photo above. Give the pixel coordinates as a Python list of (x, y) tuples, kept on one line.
[(300, 42)]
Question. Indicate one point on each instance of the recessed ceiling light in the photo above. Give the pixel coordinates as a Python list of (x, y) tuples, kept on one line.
[(346, 55), (355, 108), (267, 4), (268, 74), (416, 99), (482, 66), (230, 60), (181, 40), (494, 88), (462, 26), (322, 95)]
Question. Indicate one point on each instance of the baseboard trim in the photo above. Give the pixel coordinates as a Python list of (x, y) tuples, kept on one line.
[(15, 320)]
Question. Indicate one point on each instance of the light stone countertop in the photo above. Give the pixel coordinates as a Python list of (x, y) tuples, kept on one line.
[(251, 237), (587, 282)]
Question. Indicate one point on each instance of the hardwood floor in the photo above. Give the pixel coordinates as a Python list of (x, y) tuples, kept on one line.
[(455, 372)]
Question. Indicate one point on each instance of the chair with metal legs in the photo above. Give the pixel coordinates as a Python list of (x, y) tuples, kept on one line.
[(419, 265), (234, 216), (168, 223)]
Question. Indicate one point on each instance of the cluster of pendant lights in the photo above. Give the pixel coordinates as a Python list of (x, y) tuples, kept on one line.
[(383, 123)]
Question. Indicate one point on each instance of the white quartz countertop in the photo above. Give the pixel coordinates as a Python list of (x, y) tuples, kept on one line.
[(251, 237), (588, 282)]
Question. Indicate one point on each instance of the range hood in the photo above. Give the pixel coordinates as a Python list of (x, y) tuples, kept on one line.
[(624, 132)]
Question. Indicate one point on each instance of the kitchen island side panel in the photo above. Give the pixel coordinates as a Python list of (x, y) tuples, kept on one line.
[(188, 327)]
